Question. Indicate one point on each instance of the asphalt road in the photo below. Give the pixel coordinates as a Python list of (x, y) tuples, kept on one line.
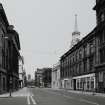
[(42, 96)]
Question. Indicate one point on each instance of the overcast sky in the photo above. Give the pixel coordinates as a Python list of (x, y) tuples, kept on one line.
[(45, 27)]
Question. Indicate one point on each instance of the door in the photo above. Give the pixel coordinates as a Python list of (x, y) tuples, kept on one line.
[(74, 82)]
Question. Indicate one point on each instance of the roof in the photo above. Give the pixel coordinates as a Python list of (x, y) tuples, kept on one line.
[(81, 42), (16, 36), (2, 13)]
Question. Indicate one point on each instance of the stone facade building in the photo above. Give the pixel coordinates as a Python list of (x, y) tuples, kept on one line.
[(9, 54), (100, 45), (47, 77), (82, 67), (43, 77), (39, 77), (22, 73), (77, 71)]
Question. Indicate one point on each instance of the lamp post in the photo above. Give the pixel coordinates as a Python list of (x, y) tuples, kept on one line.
[(10, 75), (10, 89)]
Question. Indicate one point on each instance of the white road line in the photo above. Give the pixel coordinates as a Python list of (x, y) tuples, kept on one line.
[(28, 100), (90, 102), (68, 97), (33, 101)]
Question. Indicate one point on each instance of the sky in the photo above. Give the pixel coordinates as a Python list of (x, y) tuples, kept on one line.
[(45, 27)]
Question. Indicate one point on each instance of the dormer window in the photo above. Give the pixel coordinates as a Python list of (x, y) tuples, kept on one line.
[(102, 17)]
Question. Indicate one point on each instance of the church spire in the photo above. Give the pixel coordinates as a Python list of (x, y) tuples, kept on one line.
[(76, 25), (75, 34)]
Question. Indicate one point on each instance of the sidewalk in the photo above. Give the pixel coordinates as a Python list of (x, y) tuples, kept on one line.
[(81, 92), (20, 93)]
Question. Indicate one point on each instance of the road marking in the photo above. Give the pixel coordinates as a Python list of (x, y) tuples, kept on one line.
[(33, 100), (68, 97), (28, 100), (90, 102)]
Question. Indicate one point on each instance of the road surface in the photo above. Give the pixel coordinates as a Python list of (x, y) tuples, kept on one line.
[(45, 96)]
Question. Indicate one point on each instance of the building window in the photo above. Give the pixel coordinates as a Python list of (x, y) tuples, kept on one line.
[(92, 47), (91, 63), (102, 17), (85, 65), (77, 68), (80, 54), (85, 51), (102, 55), (80, 67), (102, 37)]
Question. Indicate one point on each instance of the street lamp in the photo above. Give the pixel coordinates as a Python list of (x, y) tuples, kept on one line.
[(10, 90), (10, 79)]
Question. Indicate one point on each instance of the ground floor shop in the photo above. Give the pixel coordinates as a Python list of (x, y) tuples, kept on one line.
[(67, 83), (56, 84), (100, 78), (85, 82)]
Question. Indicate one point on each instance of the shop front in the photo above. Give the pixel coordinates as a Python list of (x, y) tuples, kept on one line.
[(100, 75), (85, 82)]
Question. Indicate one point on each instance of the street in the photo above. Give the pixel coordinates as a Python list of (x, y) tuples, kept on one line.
[(45, 96)]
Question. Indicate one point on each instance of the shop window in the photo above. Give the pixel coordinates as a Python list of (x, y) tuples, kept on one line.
[(88, 79), (77, 84), (92, 84), (71, 82), (100, 76), (88, 85)]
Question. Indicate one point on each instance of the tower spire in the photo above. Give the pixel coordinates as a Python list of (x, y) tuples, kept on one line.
[(76, 25), (75, 34)]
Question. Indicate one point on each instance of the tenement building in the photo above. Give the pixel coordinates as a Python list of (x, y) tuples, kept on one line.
[(9, 54), (43, 77), (83, 66), (77, 65), (22, 73), (47, 77), (56, 76), (39, 77), (100, 45)]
